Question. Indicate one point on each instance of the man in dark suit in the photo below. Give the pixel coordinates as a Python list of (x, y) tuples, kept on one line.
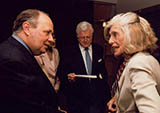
[(84, 86), (24, 87)]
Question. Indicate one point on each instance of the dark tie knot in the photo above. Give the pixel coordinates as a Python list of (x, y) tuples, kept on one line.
[(86, 49)]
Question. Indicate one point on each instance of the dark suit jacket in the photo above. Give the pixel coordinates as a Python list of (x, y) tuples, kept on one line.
[(83, 92), (23, 86)]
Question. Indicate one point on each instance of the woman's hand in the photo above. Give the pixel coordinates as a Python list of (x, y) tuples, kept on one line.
[(112, 105)]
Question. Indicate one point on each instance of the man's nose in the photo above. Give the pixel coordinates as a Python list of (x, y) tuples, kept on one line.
[(52, 40)]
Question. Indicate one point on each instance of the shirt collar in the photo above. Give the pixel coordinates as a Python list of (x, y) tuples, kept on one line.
[(82, 48), (22, 42)]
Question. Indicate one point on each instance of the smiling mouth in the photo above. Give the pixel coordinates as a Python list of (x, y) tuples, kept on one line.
[(50, 44), (115, 47), (46, 46)]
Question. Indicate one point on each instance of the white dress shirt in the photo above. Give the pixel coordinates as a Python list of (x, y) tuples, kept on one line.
[(83, 54)]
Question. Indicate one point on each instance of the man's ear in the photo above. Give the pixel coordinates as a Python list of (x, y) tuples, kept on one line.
[(26, 28)]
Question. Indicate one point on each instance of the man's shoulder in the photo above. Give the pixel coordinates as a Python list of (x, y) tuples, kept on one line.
[(8, 43), (5, 47), (11, 49)]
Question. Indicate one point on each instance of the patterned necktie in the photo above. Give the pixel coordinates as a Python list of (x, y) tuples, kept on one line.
[(88, 61), (115, 84)]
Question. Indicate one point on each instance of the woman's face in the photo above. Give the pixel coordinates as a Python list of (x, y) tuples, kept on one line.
[(116, 40)]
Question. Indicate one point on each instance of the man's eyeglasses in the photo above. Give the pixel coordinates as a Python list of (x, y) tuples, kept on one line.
[(85, 37)]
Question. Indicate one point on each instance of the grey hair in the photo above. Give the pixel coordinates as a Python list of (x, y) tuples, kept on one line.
[(138, 33), (84, 26)]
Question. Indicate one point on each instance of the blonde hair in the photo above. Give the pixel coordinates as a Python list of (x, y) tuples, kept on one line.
[(138, 33)]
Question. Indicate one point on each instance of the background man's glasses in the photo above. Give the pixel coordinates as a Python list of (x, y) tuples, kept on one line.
[(85, 37)]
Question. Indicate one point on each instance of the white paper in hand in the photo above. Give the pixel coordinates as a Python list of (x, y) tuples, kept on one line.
[(86, 76)]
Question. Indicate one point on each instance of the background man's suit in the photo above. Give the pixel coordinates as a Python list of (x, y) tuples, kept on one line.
[(83, 92), (23, 85)]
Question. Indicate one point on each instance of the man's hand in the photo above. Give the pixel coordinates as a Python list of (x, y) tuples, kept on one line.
[(71, 77)]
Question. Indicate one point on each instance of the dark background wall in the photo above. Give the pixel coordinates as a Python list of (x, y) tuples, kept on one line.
[(152, 14), (65, 14)]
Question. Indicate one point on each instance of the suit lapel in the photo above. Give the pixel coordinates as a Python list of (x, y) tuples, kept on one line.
[(94, 58), (81, 61), (31, 61), (122, 80)]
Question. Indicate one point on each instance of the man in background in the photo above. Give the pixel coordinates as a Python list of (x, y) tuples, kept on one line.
[(83, 75)]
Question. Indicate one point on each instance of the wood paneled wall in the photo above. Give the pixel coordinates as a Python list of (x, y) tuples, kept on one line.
[(103, 11)]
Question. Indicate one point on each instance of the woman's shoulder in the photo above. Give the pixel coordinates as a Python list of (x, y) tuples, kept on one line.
[(143, 59)]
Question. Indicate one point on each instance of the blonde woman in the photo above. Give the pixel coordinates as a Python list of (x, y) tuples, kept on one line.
[(138, 86)]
